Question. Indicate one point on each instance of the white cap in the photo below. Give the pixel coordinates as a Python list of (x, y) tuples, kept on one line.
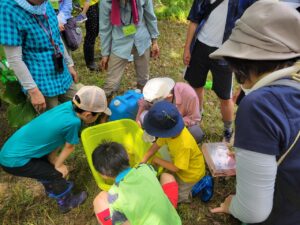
[(158, 88), (92, 99)]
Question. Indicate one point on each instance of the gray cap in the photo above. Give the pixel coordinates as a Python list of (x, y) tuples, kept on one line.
[(268, 30)]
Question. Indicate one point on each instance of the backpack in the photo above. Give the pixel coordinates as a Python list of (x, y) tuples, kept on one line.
[(72, 34)]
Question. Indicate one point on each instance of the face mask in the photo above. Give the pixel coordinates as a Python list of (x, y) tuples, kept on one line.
[(33, 9), (245, 90)]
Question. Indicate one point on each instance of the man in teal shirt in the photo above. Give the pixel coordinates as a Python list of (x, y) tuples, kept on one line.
[(33, 150)]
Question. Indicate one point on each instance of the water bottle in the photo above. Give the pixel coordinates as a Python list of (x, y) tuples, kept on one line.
[(204, 188), (125, 106)]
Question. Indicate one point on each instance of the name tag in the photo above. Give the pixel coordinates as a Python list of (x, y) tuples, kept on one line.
[(129, 30)]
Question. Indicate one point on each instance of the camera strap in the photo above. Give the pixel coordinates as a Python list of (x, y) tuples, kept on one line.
[(48, 32)]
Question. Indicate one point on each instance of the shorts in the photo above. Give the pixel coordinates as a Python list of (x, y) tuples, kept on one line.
[(200, 64), (171, 191), (184, 191)]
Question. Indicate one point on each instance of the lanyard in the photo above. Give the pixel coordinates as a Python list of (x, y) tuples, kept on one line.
[(47, 31)]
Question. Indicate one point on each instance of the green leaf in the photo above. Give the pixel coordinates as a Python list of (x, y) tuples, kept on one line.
[(19, 115), (13, 93)]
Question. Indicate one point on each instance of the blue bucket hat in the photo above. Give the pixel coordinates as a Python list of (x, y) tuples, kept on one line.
[(163, 120)]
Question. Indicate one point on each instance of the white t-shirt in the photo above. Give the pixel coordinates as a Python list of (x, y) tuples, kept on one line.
[(212, 32)]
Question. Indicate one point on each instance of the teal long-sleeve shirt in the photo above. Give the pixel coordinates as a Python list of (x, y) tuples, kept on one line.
[(112, 37)]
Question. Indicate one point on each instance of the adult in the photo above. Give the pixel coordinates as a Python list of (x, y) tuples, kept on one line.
[(31, 39), (180, 94), (127, 27), (90, 14), (206, 33), (262, 52)]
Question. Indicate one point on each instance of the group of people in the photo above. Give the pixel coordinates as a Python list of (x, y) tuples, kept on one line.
[(257, 41)]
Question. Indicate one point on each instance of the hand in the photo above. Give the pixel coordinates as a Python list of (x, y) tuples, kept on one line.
[(73, 74), (154, 161), (63, 169), (61, 27), (186, 56), (104, 62), (138, 122), (224, 207), (37, 100), (154, 50)]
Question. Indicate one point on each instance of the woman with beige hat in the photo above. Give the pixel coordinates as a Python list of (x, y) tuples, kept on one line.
[(264, 51)]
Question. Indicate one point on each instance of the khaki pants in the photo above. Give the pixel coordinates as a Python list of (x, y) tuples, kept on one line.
[(117, 65), (51, 102)]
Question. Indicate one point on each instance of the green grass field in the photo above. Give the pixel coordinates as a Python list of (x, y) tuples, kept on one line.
[(23, 202)]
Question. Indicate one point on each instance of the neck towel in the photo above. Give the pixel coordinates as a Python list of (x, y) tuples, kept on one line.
[(115, 15)]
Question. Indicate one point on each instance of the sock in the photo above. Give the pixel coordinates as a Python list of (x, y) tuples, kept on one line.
[(104, 217), (228, 125)]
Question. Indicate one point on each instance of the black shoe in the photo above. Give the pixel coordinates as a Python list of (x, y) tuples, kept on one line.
[(93, 67)]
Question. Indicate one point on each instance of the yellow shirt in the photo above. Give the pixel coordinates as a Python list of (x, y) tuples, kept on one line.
[(186, 156), (92, 2)]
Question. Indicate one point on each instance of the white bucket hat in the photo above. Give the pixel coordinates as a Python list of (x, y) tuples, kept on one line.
[(158, 88)]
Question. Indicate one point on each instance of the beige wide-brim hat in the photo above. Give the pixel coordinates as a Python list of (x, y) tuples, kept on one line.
[(268, 30)]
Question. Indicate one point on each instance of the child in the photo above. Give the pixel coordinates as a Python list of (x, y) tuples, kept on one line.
[(180, 94), (32, 150), (165, 122), (136, 197)]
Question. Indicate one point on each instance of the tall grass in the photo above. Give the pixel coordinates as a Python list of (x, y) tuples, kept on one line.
[(172, 9)]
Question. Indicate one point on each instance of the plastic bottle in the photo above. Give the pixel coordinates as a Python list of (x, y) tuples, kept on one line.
[(125, 106)]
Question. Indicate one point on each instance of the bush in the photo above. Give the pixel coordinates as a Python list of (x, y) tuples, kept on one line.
[(173, 9)]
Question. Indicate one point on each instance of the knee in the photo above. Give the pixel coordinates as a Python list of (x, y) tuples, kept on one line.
[(166, 178), (100, 201)]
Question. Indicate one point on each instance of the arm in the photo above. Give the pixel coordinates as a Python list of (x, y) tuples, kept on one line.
[(165, 164), (15, 60), (105, 31), (65, 11), (151, 24), (189, 37), (65, 152), (256, 176), (192, 115), (152, 150), (86, 7)]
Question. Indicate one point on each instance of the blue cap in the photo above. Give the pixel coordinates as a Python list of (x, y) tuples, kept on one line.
[(163, 120)]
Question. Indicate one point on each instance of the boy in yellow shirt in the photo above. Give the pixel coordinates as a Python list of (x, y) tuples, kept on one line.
[(165, 122)]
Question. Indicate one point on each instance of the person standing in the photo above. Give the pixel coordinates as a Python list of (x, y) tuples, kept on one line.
[(30, 35), (207, 30), (264, 53), (127, 27)]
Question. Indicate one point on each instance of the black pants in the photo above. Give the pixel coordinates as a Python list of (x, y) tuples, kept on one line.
[(92, 31), (43, 171)]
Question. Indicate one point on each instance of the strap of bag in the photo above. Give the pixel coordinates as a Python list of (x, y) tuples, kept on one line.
[(288, 151), (203, 19)]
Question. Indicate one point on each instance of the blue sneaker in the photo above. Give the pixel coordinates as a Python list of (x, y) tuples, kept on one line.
[(204, 188), (80, 18)]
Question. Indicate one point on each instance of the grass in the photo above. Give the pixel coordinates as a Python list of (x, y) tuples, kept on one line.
[(23, 202)]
